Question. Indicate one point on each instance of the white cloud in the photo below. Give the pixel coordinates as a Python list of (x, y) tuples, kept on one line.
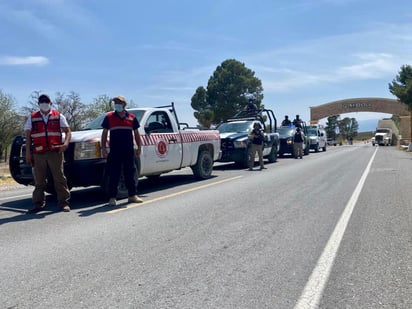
[(367, 55), (30, 60), (51, 19), (371, 66)]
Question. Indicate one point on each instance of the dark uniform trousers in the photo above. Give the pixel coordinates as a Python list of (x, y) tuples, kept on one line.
[(119, 161)]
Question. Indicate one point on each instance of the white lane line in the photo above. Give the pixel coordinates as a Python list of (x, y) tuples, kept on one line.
[(313, 290)]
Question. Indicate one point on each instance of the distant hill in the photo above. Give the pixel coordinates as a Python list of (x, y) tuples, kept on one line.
[(364, 136), (367, 125)]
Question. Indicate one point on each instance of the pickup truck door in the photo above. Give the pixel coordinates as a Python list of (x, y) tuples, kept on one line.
[(162, 145)]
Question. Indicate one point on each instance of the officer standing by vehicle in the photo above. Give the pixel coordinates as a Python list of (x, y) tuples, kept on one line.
[(298, 139), (257, 138), (286, 122), (122, 126), (297, 122), (44, 137)]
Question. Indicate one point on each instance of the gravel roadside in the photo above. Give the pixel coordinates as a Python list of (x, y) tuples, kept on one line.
[(6, 181)]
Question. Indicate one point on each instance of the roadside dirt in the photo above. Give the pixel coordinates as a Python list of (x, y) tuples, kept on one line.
[(5, 178)]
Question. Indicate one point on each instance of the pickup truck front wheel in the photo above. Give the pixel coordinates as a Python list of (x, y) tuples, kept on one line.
[(273, 156), (204, 165)]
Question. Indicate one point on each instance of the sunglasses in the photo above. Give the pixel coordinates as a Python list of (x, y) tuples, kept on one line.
[(44, 101)]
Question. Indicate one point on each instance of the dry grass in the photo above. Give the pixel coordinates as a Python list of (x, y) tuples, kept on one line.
[(5, 179), (8, 181), (4, 168)]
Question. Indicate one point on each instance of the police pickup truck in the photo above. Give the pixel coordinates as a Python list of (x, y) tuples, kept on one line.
[(167, 145), (234, 136)]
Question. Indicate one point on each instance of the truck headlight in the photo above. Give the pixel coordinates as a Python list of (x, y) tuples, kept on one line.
[(289, 141), (240, 144), (87, 150)]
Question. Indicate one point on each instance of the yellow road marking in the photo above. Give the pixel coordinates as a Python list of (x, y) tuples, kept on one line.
[(172, 195)]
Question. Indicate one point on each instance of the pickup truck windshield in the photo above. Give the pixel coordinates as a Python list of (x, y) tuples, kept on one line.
[(313, 132), (96, 123), (286, 131), (237, 127)]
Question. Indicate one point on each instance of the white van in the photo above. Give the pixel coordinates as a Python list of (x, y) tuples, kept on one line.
[(317, 138)]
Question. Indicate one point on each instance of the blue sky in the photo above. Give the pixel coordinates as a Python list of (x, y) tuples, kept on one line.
[(305, 52)]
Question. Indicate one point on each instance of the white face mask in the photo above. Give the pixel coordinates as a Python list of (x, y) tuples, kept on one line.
[(118, 107), (44, 107)]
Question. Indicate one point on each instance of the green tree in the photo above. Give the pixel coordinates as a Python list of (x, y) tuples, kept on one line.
[(11, 123), (101, 104), (348, 128), (401, 87), (72, 108), (32, 105), (204, 113), (227, 92), (332, 126), (69, 105), (206, 118), (78, 114)]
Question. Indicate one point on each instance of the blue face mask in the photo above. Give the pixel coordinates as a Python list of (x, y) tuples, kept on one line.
[(118, 107)]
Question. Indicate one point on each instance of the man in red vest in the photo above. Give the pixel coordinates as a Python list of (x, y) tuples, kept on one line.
[(44, 151), (124, 133)]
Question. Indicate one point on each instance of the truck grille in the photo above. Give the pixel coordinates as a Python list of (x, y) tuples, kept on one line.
[(226, 143), (379, 138)]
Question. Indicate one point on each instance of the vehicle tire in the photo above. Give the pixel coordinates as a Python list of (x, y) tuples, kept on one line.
[(121, 187), (204, 165), (273, 155), (244, 163)]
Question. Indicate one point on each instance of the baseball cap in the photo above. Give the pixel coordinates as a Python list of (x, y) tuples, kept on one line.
[(44, 98), (120, 98)]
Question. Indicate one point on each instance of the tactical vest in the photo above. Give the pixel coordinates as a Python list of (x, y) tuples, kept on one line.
[(258, 138), (115, 122), (298, 138), (121, 131), (45, 136)]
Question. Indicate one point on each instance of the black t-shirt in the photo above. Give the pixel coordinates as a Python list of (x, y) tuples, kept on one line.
[(121, 131)]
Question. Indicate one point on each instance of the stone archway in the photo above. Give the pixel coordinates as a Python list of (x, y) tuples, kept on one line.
[(375, 105)]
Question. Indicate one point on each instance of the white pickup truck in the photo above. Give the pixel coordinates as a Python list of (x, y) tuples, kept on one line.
[(167, 145)]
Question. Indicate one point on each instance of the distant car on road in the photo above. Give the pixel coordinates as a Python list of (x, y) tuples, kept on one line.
[(317, 138), (331, 142), (286, 141)]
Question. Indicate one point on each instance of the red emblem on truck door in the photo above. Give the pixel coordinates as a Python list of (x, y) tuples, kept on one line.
[(161, 148)]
